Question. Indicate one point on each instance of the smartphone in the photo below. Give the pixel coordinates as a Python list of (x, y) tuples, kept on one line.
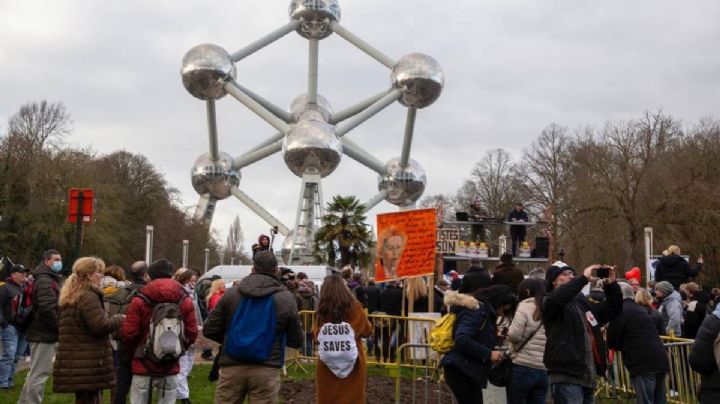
[(603, 272)]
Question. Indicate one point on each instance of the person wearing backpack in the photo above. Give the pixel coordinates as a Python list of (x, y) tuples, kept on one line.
[(467, 365), (340, 324), (84, 363), (254, 321), (159, 327), (42, 332), (12, 339)]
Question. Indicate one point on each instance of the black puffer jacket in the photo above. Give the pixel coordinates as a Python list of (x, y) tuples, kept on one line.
[(287, 319), (703, 359), (634, 334), (8, 291), (675, 269), (46, 291), (564, 320), (373, 298), (391, 300)]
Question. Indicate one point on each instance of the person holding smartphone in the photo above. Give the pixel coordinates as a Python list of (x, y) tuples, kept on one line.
[(575, 352)]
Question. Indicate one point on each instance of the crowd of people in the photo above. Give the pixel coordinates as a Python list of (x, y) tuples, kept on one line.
[(136, 332)]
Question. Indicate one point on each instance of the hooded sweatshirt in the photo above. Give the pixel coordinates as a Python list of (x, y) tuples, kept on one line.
[(672, 313), (287, 327)]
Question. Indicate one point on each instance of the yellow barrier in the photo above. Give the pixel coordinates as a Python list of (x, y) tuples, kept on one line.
[(680, 383), (392, 347), (389, 333)]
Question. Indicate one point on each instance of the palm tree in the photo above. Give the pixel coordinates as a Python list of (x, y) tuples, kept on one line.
[(344, 232)]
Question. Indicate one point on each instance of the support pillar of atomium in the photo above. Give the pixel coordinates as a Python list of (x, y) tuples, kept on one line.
[(298, 246), (311, 136)]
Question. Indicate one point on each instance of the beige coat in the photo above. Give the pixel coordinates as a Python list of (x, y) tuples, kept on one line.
[(520, 329)]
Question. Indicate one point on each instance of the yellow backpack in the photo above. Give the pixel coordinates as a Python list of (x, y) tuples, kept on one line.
[(441, 337)]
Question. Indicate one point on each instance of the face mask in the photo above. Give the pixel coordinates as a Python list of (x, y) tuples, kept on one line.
[(57, 266)]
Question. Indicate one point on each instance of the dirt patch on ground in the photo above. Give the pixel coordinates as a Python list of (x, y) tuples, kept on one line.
[(380, 390)]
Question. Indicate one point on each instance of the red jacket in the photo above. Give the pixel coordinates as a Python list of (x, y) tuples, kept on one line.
[(136, 326)]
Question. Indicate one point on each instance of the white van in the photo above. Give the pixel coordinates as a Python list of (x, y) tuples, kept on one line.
[(231, 273)]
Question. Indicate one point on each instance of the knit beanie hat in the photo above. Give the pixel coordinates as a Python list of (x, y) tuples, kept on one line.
[(665, 287), (553, 272), (161, 269)]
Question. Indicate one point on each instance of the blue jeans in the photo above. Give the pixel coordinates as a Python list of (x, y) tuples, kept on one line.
[(13, 346), (650, 389), (564, 393), (527, 385)]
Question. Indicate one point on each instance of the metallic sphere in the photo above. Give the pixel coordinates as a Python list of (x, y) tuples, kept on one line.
[(301, 245), (315, 17), (311, 147), (421, 79), (214, 177), (205, 69), (300, 106), (404, 186)]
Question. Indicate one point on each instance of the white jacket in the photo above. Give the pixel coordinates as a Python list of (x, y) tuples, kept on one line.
[(520, 329)]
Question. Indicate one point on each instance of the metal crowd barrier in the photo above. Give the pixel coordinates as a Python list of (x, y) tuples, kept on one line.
[(400, 344), (681, 382), (382, 347)]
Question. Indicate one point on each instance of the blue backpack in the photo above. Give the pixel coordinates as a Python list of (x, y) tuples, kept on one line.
[(251, 334)]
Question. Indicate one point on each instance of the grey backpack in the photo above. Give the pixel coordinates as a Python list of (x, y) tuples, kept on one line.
[(166, 338)]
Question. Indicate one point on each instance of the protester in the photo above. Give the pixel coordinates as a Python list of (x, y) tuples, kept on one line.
[(417, 293), (575, 352), (529, 379), (467, 364), (372, 292), (670, 307), (263, 244), (537, 273), (83, 363), (675, 269), (340, 376), (455, 280), (149, 373), (440, 288), (517, 232), (705, 358), (475, 278), (188, 279), (507, 273), (695, 311), (114, 277), (306, 298), (116, 297), (358, 290), (391, 299), (645, 299), (12, 338), (201, 292), (597, 293), (138, 278), (259, 379), (217, 290), (634, 335), (42, 333)]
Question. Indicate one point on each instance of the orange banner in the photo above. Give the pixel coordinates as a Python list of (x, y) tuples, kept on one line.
[(406, 244)]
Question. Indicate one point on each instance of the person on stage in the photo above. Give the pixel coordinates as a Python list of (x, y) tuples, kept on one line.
[(517, 232)]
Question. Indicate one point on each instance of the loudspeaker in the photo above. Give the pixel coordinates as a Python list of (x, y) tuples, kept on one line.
[(542, 246)]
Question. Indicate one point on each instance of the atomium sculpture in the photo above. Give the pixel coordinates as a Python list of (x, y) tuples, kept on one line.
[(311, 135)]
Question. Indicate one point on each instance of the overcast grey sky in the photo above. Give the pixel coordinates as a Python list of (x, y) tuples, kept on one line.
[(511, 67)]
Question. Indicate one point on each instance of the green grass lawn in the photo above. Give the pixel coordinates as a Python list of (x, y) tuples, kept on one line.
[(201, 390)]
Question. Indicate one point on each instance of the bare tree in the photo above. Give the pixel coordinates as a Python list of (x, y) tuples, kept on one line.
[(41, 124), (234, 244), (543, 175)]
